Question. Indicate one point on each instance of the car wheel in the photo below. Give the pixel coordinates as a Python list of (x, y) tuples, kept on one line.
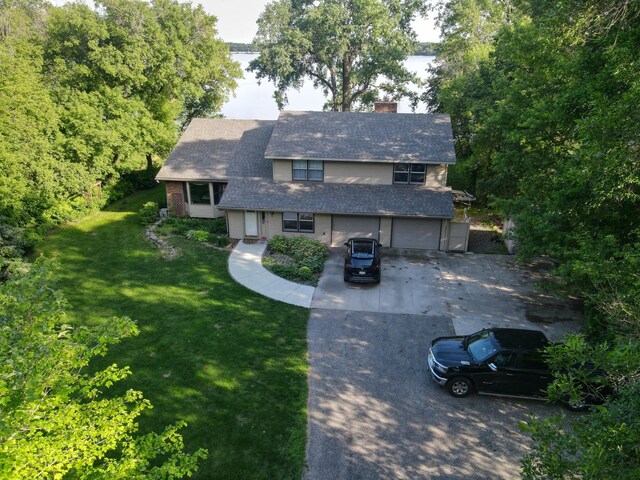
[(459, 386), (346, 277)]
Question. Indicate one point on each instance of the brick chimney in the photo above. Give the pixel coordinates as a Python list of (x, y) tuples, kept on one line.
[(385, 107)]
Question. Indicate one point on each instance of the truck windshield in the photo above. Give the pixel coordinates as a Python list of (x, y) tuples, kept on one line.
[(480, 345)]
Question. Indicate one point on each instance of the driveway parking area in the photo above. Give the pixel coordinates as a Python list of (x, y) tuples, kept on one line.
[(374, 413), (475, 291)]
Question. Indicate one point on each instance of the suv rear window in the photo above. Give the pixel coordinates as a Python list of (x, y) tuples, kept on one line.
[(363, 249)]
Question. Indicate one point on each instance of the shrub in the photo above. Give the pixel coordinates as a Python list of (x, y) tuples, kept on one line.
[(180, 226), (279, 244), (148, 213), (304, 273), (303, 248), (289, 272), (315, 264), (220, 241), (305, 256), (198, 235)]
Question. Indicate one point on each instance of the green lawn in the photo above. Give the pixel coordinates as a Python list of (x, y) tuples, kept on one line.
[(229, 362)]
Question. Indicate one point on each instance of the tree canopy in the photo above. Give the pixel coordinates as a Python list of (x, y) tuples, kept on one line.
[(351, 50), (90, 96), (545, 100)]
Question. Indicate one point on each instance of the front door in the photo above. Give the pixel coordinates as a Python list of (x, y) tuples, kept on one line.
[(250, 223)]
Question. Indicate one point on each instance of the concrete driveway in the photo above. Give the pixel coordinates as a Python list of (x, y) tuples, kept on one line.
[(475, 291), (374, 412)]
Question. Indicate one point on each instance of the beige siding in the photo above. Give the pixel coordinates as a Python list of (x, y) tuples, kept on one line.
[(345, 227), (236, 223), (385, 231), (322, 227), (436, 176), (358, 172), (282, 170), (204, 211)]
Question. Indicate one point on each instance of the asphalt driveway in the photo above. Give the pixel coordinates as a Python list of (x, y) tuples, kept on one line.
[(374, 412)]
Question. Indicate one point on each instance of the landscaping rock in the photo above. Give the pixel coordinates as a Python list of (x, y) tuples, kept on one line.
[(168, 252)]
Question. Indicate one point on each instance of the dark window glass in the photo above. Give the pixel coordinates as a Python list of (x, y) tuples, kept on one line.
[(306, 222), (299, 169), (308, 170), (409, 173), (218, 190), (199, 193), (532, 361), (290, 221), (297, 222), (504, 359), (316, 170), (418, 173)]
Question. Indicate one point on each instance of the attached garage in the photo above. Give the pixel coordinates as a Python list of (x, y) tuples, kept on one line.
[(422, 233), (347, 226)]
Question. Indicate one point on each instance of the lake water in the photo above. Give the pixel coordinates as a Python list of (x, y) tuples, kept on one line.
[(253, 101)]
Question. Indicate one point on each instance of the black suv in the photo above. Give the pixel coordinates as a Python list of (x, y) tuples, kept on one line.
[(499, 361), (362, 260)]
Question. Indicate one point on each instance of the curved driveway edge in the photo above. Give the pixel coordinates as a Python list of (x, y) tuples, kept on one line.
[(245, 267)]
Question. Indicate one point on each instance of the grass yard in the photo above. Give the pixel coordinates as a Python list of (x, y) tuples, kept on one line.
[(229, 362)]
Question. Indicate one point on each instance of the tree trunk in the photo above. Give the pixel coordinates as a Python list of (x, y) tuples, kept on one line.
[(149, 162), (346, 84)]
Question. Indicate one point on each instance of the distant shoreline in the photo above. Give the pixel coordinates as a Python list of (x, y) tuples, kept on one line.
[(424, 49)]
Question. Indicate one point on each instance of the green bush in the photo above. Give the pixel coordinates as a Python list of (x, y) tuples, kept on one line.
[(303, 248), (180, 226), (307, 256), (304, 273), (220, 241), (148, 213), (288, 272), (279, 244), (198, 235)]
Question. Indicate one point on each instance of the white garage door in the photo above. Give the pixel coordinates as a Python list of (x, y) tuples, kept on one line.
[(415, 233), (345, 227)]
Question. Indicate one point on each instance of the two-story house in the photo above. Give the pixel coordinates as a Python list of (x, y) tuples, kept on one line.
[(327, 175)]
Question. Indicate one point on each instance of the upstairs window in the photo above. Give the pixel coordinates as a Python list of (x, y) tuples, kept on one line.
[(410, 173), (297, 222), (308, 170)]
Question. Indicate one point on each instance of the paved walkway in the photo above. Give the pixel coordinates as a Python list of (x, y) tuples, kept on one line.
[(245, 266)]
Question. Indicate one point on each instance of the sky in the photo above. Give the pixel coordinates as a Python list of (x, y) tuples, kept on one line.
[(237, 19)]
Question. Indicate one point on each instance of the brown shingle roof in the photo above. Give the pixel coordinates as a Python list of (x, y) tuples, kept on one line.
[(318, 197), (212, 148), (379, 137)]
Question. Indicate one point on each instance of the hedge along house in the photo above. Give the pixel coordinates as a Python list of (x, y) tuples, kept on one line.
[(326, 175)]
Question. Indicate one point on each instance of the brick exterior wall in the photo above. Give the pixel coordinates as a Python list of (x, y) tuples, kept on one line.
[(175, 198), (385, 107)]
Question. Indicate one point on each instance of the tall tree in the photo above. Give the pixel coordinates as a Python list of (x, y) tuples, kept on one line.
[(127, 72), (88, 96), (550, 117), (353, 50), (55, 419), (30, 182)]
